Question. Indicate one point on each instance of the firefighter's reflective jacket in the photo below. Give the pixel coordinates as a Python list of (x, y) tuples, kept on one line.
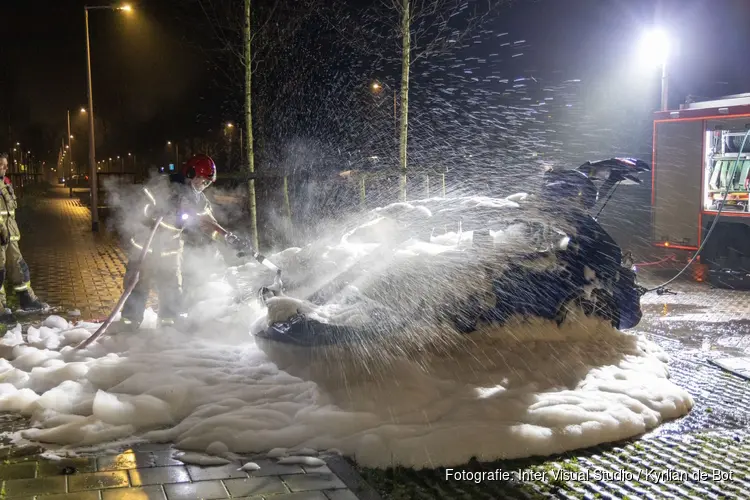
[(9, 229), (181, 207)]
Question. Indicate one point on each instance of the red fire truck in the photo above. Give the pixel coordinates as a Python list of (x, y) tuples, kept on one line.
[(695, 150)]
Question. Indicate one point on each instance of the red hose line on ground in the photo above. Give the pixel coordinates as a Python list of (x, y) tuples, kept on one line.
[(662, 261)]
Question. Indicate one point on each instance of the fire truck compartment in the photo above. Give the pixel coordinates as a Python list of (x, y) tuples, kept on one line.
[(676, 195)]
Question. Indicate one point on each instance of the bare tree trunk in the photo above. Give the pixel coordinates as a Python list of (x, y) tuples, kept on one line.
[(405, 61), (250, 166)]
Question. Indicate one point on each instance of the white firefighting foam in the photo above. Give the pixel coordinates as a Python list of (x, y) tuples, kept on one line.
[(526, 389)]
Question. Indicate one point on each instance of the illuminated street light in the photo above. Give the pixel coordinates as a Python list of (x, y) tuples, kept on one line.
[(654, 48), (654, 51), (126, 7), (83, 110), (169, 143), (230, 125)]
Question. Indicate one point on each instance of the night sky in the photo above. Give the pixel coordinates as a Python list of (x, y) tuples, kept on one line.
[(167, 72)]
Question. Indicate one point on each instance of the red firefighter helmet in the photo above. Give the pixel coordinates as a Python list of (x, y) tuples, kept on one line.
[(200, 165)]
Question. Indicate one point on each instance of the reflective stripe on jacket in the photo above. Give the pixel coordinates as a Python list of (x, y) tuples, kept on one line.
[(8, 227), (180, 207)]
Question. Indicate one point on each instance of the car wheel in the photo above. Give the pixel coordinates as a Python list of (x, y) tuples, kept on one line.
[(605, 308), (571, 306), (600, 305)]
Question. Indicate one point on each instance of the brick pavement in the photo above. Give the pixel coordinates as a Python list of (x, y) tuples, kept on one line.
[(151, 472), (73, 268)]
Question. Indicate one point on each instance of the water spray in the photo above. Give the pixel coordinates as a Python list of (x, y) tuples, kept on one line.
[(262, 259)]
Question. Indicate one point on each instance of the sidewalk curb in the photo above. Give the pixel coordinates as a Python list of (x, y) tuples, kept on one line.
[(351, 478)]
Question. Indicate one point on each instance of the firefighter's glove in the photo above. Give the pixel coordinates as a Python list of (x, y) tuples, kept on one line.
[(240, 244), (153, 212), (233, 241)]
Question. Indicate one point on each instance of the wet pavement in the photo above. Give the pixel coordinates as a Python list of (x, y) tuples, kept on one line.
[(81, 272), (703, 455), (71, 267), (151, 472)]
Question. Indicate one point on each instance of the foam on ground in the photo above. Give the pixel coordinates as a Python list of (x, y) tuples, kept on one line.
[(529, 388), (493, 399)]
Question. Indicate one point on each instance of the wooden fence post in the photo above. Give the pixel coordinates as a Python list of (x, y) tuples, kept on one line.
[(287, 205)]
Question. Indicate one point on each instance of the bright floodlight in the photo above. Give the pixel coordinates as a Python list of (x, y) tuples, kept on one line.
[(83, 110), (126, 7), (655, 47)]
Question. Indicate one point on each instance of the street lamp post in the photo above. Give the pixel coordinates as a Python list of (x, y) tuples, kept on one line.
[(230, 125), (664, 87), (93, 181), (69, 147), (655, 49), (176, 153), (70, 144), (376, 88)]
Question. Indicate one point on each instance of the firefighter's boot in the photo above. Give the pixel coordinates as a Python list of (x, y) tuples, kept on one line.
[(7, 317), (30, 303), (124, 325)]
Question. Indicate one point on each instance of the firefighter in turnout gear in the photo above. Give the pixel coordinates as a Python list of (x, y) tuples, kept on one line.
[(14, 272), (186, 215)]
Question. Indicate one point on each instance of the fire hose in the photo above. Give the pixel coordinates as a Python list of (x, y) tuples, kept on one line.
[(263, 294), (126, 293), (668, 258)]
